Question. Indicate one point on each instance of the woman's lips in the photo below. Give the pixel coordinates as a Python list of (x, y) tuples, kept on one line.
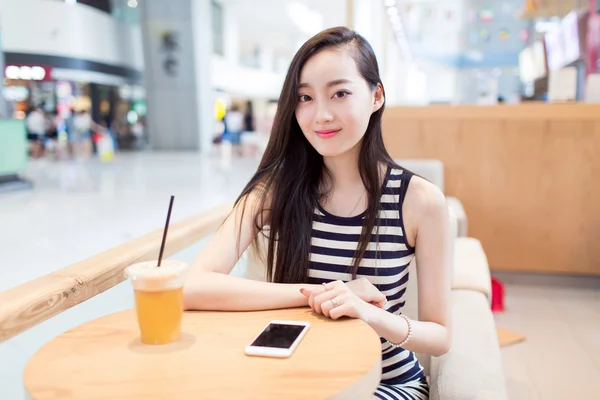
[(327, 133)]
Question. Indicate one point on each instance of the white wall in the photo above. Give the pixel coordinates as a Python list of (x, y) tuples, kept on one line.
[(231, 36), (69, 30), (369, 22), (228, 72), (434, 38), (441, 82), (243, 81)]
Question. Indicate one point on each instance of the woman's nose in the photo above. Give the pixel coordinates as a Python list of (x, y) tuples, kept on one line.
[(323, 115)]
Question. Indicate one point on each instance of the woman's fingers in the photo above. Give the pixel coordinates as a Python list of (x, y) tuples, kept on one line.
[(334, 303), (335, 300), (341, 310), (318, 297), (310, 294), (327, 306), (325, 298)]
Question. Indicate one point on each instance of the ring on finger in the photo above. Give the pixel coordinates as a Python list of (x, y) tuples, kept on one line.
[(335, 304)]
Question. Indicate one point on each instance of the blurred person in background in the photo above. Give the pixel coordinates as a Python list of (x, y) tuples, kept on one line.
[(51, 135), (36, 130), (137, 130), (81, 134), (253, 143), (234, 126), (333, 221), (249, 125), (52, 121), (108, 128)]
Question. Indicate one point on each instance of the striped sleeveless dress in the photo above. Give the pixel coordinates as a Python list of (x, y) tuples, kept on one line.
[(385, 264)]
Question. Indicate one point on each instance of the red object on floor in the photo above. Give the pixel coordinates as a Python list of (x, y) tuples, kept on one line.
[(497, 295)]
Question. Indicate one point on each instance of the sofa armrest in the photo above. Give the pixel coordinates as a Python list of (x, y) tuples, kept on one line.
[(471, 270), (472, 369)]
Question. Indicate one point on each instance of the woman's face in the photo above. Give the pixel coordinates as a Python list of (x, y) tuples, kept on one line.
[(335, 102)]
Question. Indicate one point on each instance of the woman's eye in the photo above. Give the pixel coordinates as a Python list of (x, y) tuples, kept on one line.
[(304, 98), (341, 94)]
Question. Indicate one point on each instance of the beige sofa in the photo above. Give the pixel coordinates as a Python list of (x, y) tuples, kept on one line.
[(472, 369), (433, 171)]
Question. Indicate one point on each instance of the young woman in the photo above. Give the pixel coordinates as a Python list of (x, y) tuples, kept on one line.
[(341, 219)]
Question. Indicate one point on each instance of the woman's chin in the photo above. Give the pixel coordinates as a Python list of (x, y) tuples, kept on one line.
[(332, 150)]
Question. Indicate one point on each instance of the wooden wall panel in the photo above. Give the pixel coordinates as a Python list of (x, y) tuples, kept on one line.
[(529, 182)]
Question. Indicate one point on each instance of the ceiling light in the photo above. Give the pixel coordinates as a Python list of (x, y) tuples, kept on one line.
[(132, 3)]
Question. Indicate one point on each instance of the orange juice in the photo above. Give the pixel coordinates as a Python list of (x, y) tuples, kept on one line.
[(158, 299), (159, 315)]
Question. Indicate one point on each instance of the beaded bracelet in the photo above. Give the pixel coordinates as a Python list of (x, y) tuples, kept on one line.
[(401, 344)]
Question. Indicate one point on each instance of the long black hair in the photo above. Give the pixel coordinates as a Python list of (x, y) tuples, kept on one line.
[(288, 181)]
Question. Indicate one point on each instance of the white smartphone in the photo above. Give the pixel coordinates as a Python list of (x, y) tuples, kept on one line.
[(278, 339)]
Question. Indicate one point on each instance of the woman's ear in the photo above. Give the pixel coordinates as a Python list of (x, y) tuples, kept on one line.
[(378, 98)]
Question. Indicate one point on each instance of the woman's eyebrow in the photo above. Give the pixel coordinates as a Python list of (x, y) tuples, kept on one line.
[(329, 84)]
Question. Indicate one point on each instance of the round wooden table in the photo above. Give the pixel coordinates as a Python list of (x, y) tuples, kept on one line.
[(104, 359)]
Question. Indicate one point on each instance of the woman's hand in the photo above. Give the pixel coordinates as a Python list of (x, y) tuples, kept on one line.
[(366, 291), (337, 299)]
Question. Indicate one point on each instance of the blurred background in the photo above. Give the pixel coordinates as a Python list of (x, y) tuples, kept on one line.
[(108, 107), (147, 74)]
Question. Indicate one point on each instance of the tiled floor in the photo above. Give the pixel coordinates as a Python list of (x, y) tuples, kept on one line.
[(78, 209), (560, 316)]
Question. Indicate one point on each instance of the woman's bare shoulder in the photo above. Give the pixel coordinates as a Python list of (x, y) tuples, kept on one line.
[(423, 197), (423, 201)]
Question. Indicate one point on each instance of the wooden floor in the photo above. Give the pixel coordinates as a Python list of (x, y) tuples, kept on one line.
[(560, 359)]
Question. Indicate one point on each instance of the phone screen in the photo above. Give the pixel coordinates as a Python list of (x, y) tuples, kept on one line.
[(278, 335)]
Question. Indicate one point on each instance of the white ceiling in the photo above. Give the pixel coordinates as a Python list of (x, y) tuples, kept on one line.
[(261, 21), (269, 22)]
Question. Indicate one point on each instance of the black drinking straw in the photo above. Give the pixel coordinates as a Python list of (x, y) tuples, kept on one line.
[(164, 238)]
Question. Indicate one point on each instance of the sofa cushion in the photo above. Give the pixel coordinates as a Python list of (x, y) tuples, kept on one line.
[(472, 369), (457, 208), (471, 269), (433, 171), (430, 169)]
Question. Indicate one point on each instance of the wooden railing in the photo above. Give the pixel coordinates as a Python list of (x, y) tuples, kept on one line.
[(35, 301)]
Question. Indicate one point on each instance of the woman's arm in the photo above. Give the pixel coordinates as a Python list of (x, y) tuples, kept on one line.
[(209, 286), (426, 215)]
